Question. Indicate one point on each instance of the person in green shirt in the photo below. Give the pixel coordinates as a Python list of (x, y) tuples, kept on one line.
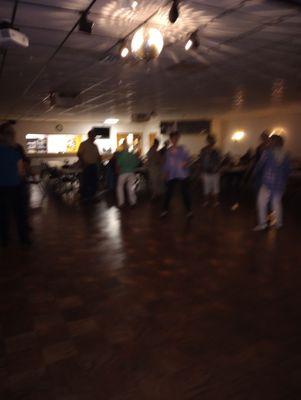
[(127, 163)]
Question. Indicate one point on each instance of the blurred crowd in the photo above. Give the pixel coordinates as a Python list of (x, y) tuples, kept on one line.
[(167, 168)]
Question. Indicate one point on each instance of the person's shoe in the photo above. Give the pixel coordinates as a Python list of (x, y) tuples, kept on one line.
[(235, 207), (163, 214), (189, 214), (259, 228), (3, 243), (27, 242)]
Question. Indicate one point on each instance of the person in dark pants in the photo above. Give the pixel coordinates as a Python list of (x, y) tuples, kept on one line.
[(90, 158), (24, 188), (176, 173), (11, 200), (262, 147)]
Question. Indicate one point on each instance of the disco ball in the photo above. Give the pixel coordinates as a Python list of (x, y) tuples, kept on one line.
[(147, 43)]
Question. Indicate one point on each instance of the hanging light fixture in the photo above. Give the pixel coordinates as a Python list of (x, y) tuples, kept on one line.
[(174, 12), (85, 25), (147, 43), (193, 41)]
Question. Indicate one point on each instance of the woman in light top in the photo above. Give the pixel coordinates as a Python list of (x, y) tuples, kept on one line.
[(274, 168)]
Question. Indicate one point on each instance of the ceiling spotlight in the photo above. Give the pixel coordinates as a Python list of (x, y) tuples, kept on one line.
[(85, 25), (174, 12), (193, 41), (134, 5), (188, 44), (124, 52)]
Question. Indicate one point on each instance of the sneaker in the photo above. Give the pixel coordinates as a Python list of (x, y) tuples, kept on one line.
[(235, 207), (27, 242), (259, 228), (163, 214), (3, 243)]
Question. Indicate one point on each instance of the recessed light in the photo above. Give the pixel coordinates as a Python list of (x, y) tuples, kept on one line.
[(111, 121)]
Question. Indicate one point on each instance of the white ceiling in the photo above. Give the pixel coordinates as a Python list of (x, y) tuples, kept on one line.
[(249, 57)]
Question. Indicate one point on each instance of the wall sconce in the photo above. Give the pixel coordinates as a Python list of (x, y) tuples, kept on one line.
[(238, 136)]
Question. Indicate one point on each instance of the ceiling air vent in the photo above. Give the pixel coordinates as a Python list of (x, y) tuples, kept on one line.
[(62, 100), (142, 117)]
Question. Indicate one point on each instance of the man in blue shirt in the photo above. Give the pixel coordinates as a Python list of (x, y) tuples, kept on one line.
[(176, 171), (11, 171)]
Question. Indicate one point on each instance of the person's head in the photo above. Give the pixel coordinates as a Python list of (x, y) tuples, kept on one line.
[(125, 146), (276, 142), (92, 135), (156, 144), (7, 133), (265, 137), (211, 140), (174, 138)]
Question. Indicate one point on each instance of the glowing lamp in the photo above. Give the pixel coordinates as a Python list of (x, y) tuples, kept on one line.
[(147, 43), (238, 136)]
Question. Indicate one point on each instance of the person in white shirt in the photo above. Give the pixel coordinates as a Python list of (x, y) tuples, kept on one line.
[(90, 159)]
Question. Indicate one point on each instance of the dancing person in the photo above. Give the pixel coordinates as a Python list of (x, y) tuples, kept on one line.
[(263, 145), (154, 167), (90, 159), (12, 170), (261, 148), (176, 172), (210, 160), (24, 187), (274, 167), (164, 149), (127, 162), (111, 172)]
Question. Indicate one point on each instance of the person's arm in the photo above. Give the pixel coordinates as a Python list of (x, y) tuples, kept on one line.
[(219, 160), (286, 168), (165, 166), (80, 155), (260, 164), (186, 159), (21, 168), (99, 155), (24, 158), (117, 164), (201, 159)]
